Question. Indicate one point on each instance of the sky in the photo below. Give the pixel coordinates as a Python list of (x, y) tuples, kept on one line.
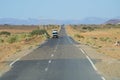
[(59, 9)]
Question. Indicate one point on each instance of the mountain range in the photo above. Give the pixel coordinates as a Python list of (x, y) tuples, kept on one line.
[(113, 21), (31, 21)]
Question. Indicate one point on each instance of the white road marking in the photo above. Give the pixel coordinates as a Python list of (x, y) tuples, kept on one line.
[(14, 62), (52, 55), (91, 63), (82, 51), (19, 58), (94, 66), (103, 78), (56, 46), (49, 61), (89, 60), (46, 69)]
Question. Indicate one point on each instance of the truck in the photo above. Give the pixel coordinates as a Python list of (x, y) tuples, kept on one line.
[(55, 34)]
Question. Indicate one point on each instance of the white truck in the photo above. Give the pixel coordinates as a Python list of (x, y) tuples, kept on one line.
[(55, 34)]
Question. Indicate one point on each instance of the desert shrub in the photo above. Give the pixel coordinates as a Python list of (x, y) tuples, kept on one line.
[(74, 27), (88, 42), (99, 46), (84, 27), (78, 36), (37, 32), (94, 38), (88, 28), (13, 39), (1, 40), (5, 33), (29, 35), (47, 35), (28, 38), (40, 32), (23, 35), (104, 38)]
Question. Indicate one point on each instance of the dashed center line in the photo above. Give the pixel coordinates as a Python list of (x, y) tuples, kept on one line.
[(56, 46), (52, 55), (49, 61), (46, 69)]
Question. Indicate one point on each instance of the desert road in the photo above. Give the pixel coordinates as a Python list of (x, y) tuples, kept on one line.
[(56, 59)]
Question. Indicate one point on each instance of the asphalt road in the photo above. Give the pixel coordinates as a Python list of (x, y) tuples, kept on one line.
[(57, 59)]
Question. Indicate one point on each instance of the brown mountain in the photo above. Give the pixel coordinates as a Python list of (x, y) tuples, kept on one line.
[(113, 21)]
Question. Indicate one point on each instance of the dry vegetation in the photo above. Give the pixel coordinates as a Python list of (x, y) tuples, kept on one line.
[(14, 39), (100, 37)]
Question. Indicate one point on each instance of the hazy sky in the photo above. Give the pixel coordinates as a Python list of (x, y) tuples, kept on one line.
[(59, 9)]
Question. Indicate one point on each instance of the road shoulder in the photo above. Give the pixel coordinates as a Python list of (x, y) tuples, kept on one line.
[(106, 65)]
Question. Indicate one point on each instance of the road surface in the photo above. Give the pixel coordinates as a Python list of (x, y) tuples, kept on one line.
[(56, 59)]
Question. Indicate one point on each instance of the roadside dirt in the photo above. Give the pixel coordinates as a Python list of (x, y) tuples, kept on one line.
[(107, 66)]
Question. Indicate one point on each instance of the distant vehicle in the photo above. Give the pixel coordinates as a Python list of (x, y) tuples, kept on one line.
[(54, 34)]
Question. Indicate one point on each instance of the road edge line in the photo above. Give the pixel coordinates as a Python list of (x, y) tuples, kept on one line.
[(91, 62), (13, 62)]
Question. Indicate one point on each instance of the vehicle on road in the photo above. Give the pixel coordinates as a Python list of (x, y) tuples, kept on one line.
[(55, 34)]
